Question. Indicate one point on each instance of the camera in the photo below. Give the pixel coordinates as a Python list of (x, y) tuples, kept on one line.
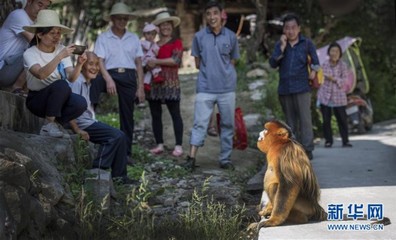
[(79, 49)]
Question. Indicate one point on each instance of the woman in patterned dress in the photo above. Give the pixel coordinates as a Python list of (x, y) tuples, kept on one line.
[(167, 92)]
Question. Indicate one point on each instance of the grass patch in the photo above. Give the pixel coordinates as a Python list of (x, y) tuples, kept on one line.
[(132, 217)]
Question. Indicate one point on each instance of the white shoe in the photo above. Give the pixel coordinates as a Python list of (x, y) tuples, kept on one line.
[(51, 129)]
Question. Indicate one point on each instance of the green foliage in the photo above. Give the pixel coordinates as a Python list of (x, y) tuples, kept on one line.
[(112, 117), (377, 50), (74, 174), (142, 157), (175, 172), (207, 219), (242, 69), (132, 217), (135, 171), (271, 100)]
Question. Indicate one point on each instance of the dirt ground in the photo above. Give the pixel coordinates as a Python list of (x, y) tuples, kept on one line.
[(207, 157)]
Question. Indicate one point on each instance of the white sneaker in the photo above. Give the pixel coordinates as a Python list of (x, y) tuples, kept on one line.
[(51, 129)]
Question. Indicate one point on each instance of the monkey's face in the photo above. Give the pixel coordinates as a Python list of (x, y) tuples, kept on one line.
[(275, 132), (263, 140), (262, 135)]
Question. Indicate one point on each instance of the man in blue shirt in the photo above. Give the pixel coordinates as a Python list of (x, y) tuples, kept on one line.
[(215, 49), (290, 55)]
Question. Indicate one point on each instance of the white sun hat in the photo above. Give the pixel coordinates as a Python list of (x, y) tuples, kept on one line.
[(119, 8), (48, 18), (166, 17)]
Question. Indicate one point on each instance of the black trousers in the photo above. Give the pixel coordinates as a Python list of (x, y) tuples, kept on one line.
[(156, 115), (113, 148), (126, 91), (342, 122), (56, 100)]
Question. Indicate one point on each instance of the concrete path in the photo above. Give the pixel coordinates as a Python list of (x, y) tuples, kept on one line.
[(364, 174)]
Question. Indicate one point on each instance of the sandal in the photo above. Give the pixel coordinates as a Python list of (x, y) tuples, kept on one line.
[(177, 152), (157, 150), (212, 131), (19, 92)]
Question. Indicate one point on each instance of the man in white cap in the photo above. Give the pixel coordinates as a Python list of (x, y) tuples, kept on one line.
[(14, 41), (120, 63)]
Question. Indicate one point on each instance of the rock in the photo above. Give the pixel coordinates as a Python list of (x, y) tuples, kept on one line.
[(32, 185), (99, 186), (252, 120), (184, 204), (257, 95), (169, 202), (256, 182), (256, 84), (258, 72), (15, 116), (7, 224), (14, 173)]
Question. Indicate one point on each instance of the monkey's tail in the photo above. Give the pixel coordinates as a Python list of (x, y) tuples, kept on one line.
[(385, 220)]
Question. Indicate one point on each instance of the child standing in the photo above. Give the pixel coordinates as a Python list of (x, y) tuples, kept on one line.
[(150, 51)]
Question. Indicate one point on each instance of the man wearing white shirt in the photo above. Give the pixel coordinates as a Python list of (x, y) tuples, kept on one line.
[(14, 41), (120, 63)]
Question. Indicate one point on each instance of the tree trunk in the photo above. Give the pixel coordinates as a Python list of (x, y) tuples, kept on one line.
[(257, 40), (6, 6)]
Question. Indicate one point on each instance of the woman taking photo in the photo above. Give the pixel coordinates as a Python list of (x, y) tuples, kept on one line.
[(49, 66), (166, 92), (332, 96)]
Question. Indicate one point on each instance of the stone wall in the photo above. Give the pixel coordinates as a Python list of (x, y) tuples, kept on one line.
[(33, 194), (15, 116), (34, 198)]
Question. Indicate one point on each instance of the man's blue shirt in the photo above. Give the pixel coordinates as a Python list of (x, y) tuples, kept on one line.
[(217, 74), (293, 66)]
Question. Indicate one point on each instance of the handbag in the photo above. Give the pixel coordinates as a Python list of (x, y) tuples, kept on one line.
[(319, 77), (240, 132)]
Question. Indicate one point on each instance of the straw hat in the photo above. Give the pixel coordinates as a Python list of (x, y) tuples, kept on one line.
[(165, 17), (47, 18), (119, 8)]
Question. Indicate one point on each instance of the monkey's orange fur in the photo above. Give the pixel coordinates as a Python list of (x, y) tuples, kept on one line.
[(289, 181)]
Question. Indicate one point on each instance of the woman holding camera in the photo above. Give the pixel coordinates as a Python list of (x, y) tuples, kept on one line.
[(49, 66)]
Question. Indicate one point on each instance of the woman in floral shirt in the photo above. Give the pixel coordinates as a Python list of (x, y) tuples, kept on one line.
[(167, 92), (332, 96)]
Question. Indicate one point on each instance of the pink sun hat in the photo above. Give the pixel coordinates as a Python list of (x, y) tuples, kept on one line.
[(148, 27)]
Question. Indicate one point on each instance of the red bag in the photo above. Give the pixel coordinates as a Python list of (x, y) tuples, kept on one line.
[(240, 132)]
